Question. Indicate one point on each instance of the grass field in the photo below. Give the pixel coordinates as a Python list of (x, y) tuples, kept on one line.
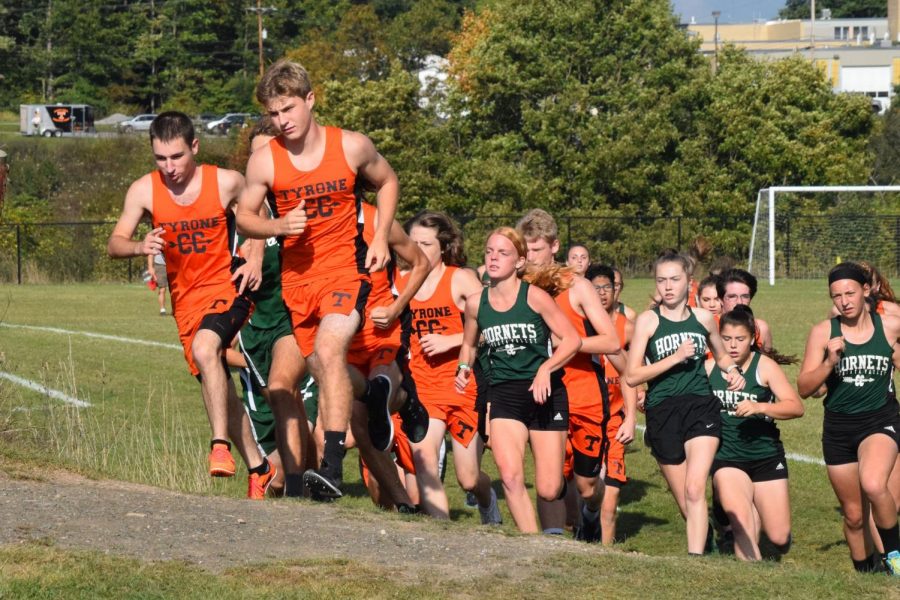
[(145, 423)]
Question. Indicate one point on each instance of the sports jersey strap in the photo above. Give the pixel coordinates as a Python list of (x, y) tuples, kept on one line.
[(879, 328), (334, 147), (835, 328)]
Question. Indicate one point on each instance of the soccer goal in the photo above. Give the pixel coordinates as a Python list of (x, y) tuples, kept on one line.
[(789, 243)]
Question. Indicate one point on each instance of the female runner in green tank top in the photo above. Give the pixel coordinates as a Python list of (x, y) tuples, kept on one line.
[(750, 470), (852, 355), (683, 421), (528, 402)]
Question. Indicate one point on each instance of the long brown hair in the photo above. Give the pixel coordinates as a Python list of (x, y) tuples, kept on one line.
[(448, 235)]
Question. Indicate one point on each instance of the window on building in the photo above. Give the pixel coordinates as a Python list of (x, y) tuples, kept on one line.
[(841, 33), (864, 31)]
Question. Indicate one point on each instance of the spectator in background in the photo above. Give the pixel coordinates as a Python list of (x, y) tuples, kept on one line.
[(156, 266)]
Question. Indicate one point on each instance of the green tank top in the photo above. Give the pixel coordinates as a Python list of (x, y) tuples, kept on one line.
[(268, 306), (517, 340), (483, 359), (745, 438), (863, 379), (684, 379)]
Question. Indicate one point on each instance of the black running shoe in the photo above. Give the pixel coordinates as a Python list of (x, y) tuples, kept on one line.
[(414, 420), (590, 531), (407, 509), (381, 426), (321, 487)]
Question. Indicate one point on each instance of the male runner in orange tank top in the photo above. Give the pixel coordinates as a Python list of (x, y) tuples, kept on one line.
[(191, 209), (316, 175), (588, 399), (622, 404)]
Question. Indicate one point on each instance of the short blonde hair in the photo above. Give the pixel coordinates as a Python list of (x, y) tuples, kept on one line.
[(538, 223), (284, 78)]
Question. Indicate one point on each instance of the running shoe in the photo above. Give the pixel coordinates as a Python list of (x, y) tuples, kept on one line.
[(590, 530), (162, 312), (321, 487), (892, 563), (491, 514), (408, 509), (414, 420), (471, 501), (221, 463), (381, 426), (258, 485)]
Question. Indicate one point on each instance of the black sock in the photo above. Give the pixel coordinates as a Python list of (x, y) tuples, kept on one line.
[(864, 565), (783, 548), (890, 538), (293, 485), (333, 458), (262, 469), (226, 442)]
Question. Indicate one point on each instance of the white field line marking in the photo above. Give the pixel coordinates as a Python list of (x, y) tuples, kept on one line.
[(42, 389), (811, 460), (90, 334)]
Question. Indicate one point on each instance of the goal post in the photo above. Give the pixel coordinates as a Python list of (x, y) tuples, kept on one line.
[(762, 259)]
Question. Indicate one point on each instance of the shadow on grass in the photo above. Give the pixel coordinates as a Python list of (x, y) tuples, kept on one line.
[(628, 524), (634, 491)]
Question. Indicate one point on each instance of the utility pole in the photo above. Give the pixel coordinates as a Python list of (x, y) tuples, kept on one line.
[(259, 9), (716, 14), (812, 29), (48, 81)]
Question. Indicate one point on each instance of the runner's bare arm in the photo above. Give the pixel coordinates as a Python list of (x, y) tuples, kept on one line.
[(569, 341), (371, 166), (138, 202), (463, 284), (787, 403), (605, 340), (260, 175), (818, 360), (405, 248), (467, 349)]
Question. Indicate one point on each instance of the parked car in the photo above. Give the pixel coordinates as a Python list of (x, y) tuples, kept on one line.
[(203, 119), (138, 123), (223, 125)]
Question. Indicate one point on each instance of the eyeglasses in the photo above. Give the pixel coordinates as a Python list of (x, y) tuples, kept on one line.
[(604, 288)]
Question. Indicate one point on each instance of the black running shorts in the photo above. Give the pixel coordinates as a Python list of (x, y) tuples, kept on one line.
[(764, 469), (513, 400), (676, 420), (843, 432)]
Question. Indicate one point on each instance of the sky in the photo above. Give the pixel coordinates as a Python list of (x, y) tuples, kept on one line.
[(733, 11)]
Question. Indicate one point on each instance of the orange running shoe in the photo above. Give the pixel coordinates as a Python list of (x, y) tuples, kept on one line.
[(258, 485), (221, 463)]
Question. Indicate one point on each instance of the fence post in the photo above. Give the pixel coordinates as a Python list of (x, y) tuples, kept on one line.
[(19, 254), (678, 219), (787, 249), (897, 246), (130, 260)]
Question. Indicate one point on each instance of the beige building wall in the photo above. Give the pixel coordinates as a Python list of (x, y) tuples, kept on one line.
[(894, 19)]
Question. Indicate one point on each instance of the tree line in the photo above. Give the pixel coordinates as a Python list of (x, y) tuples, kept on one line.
[(590, 108)]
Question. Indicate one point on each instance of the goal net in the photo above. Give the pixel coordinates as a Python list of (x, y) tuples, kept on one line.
[(803, 231)]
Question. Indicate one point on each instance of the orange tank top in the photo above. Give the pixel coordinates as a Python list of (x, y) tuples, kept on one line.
[(693, 293), (196, 243), (434, 375), (580, 375), (382, 293), (616, 402), (332, 244)]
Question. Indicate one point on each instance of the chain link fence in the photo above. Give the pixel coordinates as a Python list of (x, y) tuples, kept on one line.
[(808, 245)]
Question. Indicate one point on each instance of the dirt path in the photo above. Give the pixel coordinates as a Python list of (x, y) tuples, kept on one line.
[(217, 533)]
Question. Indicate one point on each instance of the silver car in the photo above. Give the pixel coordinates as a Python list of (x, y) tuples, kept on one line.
[(138, 123)]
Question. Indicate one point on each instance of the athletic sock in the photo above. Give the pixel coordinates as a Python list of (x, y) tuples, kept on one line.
[(262, 469), (293, 485), (333, 459), (890, 538), (226, 443), (865, 565), (783, 548)]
